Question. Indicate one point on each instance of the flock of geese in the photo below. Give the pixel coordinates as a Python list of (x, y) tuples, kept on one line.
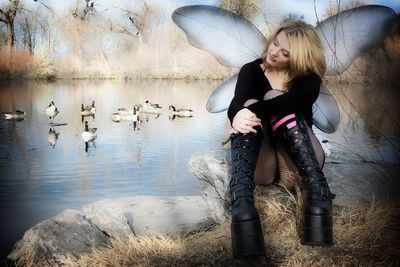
[(134, 114)]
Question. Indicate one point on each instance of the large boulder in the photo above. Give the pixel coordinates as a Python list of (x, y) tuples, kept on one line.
[(50, 241), (73, 233), (140, 215), (354, 181), (211, 168)]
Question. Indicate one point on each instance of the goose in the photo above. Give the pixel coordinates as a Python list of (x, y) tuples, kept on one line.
[(149, 107), (52, 111), (89, 134), (184, 112), (52, 137), (126, 115), (17, 115), (152, 105), (125, 111), (91, 108), (87, 111)]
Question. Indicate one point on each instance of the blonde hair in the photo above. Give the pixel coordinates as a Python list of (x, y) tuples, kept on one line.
[(306, 54)]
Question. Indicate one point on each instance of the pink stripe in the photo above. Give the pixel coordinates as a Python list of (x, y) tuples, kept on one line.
[(291, 125), (288, 117), (272, 119)]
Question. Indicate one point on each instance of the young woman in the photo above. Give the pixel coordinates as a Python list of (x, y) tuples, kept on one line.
[(292, 66)]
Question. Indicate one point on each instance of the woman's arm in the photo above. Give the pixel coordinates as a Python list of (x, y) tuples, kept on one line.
[(244, 90), (298, 99)]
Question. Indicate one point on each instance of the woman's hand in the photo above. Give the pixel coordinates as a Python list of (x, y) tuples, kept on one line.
[(244, 121)]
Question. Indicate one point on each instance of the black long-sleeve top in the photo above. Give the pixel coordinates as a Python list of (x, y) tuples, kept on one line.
[(253, 84)]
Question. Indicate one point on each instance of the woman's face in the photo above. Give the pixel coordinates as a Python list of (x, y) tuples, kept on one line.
[(278, 52)]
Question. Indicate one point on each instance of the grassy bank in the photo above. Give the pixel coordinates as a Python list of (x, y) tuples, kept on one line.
[(362, 237), (176, 59)]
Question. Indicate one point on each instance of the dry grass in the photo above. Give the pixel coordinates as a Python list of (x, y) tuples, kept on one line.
[(363, 237)]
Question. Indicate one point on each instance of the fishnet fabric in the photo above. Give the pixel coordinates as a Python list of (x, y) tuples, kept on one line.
[(273, 163)]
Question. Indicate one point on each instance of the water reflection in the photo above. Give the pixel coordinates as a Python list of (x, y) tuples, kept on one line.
[(370, 119), (83, 118), (52, 137), (17, 115), (374, 108)]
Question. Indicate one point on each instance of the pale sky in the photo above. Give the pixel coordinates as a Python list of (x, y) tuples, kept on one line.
[(306, 7)]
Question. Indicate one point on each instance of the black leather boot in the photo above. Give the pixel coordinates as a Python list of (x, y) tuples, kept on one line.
[(317, 229), (247, 237)]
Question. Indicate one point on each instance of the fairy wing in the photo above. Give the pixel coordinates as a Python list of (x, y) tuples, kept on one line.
[(353, 33), (221, 97), (326, 114), (230, 38)]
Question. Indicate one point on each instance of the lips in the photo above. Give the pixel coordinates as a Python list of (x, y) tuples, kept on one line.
[(271, 58)]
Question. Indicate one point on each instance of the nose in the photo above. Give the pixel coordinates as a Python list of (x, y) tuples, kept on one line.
[(274, 52)]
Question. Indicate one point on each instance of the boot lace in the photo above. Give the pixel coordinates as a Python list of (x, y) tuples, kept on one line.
[(243, 165)]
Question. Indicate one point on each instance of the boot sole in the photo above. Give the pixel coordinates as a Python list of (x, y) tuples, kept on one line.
[(317, 230), (247, 239)]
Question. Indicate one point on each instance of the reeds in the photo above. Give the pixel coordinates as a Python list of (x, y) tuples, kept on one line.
[(15, 63)]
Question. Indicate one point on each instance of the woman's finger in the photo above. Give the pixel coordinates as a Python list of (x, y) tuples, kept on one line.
[(242, 130), (249, 129), (251, 118), (252, 123)]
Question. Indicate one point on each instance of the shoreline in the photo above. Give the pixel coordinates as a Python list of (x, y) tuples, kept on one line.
[(330, 80)]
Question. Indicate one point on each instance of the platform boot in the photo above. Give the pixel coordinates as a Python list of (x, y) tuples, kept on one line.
[(247, 237), (292, 131)]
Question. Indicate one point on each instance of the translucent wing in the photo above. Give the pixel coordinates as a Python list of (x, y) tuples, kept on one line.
[(352, 33), (230, 38), (326, 114), (221, 97)]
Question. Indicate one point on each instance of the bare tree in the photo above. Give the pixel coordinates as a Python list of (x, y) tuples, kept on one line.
[(138, 20), (89, 7), (293, 16), (7, 16), (338, 6), (245, 8), (28, 40)]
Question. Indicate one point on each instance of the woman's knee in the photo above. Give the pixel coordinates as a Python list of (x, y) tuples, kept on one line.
[(250, 102), (272, 93)]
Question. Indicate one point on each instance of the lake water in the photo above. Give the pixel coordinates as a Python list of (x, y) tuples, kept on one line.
[(40, 178)]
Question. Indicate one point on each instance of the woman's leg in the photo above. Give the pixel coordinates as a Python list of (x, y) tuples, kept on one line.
[(319, 152), (292, 131), (247, 237), (304, 149)]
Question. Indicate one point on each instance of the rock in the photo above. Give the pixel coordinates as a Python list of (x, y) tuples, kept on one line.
[(148, 214), (75, 232), (355, 182), (70, 232), (211, 168)]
